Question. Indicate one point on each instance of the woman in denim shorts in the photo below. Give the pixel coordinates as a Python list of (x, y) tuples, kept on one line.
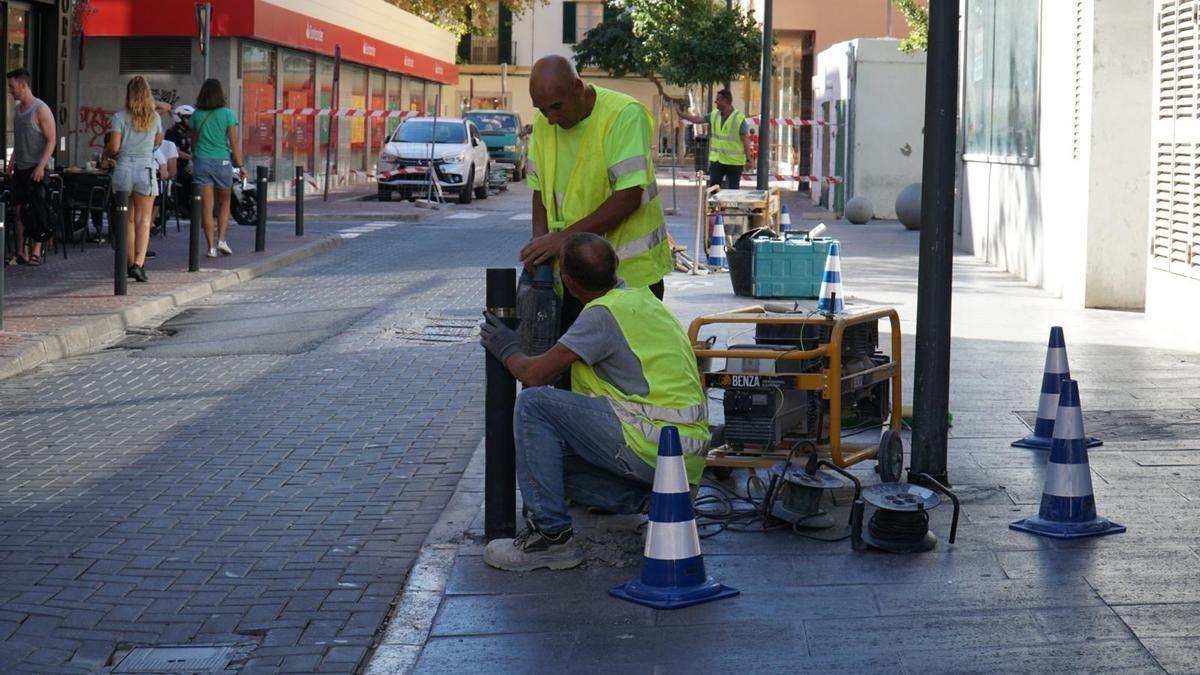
[(214, 130), (133, 135)]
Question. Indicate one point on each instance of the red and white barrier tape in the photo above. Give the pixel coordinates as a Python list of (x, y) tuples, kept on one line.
[(402, 171), (347, 112), (308, 178), (831, 180), (796, 122)]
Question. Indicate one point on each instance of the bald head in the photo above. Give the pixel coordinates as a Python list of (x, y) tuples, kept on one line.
[(589, 264), (557, 91)]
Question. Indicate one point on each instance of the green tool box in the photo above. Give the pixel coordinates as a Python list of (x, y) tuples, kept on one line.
[(789, 267)]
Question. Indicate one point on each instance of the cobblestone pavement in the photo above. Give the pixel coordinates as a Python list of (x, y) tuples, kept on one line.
[(271, 496)]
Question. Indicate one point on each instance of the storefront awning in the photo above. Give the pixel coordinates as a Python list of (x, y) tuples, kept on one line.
[(289, 26)]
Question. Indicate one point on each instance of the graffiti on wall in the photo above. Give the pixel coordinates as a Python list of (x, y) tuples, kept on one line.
[(93, 124)]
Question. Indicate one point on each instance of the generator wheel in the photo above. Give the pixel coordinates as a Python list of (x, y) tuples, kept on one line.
[(890, 458)]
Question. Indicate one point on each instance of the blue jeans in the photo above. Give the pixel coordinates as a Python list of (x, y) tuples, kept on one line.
[(570, 446)]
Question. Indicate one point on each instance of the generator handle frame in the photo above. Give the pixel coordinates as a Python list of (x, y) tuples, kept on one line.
[(832, 377)]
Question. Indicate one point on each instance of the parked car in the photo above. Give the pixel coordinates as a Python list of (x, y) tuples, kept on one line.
[(506, 138), (453, 146)]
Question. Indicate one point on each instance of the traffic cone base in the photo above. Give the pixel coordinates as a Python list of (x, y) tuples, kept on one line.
[(716, 246), (1055, 371), (673, 573), (1068, 508)]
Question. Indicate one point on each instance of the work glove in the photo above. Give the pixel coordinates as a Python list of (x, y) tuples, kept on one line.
[(500, 340)]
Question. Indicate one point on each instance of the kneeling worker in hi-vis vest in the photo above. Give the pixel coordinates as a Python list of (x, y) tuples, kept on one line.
[(633, 372), (590, 171)]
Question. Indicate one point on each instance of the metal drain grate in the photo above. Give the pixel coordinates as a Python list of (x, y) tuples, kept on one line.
[(176, 660), (439, 330)]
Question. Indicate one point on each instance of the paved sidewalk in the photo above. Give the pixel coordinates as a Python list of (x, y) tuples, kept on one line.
[(995, 601), (66, 306)]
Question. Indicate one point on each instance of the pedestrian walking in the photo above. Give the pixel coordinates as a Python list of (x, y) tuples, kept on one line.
[(134, 133), (729, 146), (590, 170), (214, 136), (33, 140)]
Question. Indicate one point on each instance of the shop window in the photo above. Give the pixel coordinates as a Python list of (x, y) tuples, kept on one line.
[(416, 95), (324, 100), (354, 129), (1000, 81), (298, 92), (376, 126), (169, 55), (258, 96), (395, 100)]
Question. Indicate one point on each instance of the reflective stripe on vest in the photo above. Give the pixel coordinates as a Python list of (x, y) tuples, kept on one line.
[(590, 183), (725, 145), (642, 244)]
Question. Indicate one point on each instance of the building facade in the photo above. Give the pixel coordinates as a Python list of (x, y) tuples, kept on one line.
[(1057, 161), (273, 54), (37, 38)]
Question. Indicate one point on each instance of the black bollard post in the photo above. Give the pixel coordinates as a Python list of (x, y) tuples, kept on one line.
[(120, 233), (3, 260), (194, 232), (260, 195), (500, 460), (299, 201)]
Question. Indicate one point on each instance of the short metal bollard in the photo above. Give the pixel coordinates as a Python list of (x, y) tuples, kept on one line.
[(500, 396), (120, 232), (260, 226), (194, 232), (299, 201)]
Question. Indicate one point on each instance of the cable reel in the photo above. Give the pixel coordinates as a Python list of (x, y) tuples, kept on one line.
[(900, 522), (795, 494)]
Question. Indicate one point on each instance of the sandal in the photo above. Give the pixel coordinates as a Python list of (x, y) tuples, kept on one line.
[(34, 261)]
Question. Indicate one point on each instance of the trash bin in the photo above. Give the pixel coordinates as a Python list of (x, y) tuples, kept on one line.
[(700, 153)]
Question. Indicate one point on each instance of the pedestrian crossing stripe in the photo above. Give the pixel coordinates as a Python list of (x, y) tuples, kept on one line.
[(466, 215), (365, 228), (522, 216)]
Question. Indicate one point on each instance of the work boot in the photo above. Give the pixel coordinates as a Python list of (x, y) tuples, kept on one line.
[(533, 549)]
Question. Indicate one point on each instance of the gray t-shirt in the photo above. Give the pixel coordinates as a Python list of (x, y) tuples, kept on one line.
[(598, 341), (135, 144)]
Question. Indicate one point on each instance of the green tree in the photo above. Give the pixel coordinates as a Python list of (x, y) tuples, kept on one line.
[(463, 16), (918, 26), (677, 42)]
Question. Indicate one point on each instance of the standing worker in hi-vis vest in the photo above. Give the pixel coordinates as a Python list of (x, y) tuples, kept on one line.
[(729, 147), (590, 171)]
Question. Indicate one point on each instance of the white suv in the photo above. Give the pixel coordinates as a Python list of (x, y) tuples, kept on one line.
[(451, 145)]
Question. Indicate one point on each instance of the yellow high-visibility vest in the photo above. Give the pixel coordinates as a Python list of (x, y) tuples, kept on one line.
[(641, 240), (675, 398), (725, 144)]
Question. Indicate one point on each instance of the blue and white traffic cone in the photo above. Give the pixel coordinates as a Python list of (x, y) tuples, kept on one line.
[(716, 246), (785, 218), (1055, 371), (1068, 508), (673, 573), (832, 301)]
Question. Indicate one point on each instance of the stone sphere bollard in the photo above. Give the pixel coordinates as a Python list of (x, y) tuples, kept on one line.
[(858, 210), (908, 206)]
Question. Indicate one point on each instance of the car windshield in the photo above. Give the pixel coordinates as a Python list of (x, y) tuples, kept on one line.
[(494, 124), (421, 131)]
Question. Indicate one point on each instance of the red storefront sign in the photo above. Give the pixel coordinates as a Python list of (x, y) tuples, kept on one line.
[(262, 21)]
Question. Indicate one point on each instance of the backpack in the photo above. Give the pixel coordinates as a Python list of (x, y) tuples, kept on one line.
[(37, 214)]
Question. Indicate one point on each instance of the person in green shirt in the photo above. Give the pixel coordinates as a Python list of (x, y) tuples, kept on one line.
[(214, 131)]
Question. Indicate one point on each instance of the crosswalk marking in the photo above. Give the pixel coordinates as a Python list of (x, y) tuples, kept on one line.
[(365, 228), (522, 216), (466, 215)]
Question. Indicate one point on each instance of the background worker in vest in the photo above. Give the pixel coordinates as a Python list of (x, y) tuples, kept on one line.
[(632, 373), (590, 170), (729, 145)]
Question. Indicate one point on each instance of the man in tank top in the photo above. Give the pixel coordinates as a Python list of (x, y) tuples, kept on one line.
[(33, 145)]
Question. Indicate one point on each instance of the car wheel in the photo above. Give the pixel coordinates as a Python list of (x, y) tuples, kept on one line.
[(481, 192), (465, 194), (385, 195)]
